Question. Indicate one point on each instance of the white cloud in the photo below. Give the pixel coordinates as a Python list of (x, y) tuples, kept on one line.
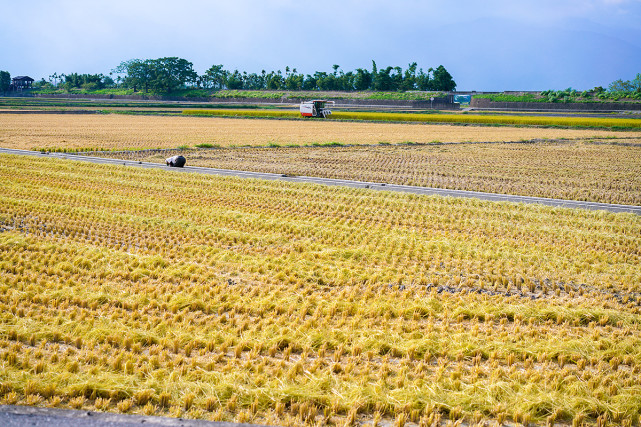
[(92, 37)]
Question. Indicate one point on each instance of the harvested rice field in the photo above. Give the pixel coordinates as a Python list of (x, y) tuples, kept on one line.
[(605, 171), (144, 291), (123, 132)]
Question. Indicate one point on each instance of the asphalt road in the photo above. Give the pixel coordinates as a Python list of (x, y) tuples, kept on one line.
[(342, 182), (21, 416)]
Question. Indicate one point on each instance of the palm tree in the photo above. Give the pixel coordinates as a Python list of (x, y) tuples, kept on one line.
[(54, 77)]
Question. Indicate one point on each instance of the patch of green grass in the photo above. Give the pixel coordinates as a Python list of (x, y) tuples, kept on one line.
[(328, 144), (404, 96), (207, 145)]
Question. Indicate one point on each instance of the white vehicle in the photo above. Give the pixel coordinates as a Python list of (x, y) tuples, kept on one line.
[(315, 108)]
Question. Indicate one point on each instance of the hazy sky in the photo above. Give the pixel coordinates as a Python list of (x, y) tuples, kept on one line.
[(486, 45)]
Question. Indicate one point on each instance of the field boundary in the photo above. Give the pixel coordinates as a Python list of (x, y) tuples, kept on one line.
[(30, 415), (426, 191), (440, 118), (435, 118), (483, 103)]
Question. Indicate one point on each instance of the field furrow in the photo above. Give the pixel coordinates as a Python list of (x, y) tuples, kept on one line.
[(154, 292)]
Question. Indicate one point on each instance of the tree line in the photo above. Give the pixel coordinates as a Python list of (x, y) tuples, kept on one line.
[(383, 79), (169, 74)]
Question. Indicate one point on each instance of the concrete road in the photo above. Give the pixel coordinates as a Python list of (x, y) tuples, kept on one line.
[(347, 183), (21, 416)]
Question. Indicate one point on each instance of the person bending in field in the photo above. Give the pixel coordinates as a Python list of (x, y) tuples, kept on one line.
[(176, 161)]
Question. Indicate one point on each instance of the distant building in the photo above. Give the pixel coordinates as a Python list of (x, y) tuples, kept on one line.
[(20, 83)]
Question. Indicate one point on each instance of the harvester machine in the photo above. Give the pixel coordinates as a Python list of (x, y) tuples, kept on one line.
[(315, 108)]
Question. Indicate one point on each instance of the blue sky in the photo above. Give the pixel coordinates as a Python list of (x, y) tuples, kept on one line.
[(489, 45)]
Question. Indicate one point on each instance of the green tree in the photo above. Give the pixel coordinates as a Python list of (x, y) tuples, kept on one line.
[(443, 80), (160, 75), (627, 87), (383, 80), (424, 80), (215, 77), (362, 79), (310, 82), (346, 81), (86, 81), (409, 78), (5, 81), (171, 73), (42, 84), (254, 81), (294, 81), (374, 75), (234, 80), (397, 79), (275, 80), (107, 81), (138, 73), (322, 80), (636, 83)]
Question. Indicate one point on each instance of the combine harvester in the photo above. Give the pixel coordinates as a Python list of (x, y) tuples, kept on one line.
[(315, 108)]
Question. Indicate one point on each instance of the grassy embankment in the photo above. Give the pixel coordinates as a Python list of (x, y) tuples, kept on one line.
[(563, 97)]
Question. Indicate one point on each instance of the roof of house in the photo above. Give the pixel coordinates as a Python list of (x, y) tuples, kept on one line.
[(22, 78)]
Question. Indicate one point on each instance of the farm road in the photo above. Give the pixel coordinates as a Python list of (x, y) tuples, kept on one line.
[(19, 416), (347, 183)]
